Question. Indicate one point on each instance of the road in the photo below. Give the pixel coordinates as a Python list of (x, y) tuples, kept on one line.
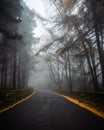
[(46, 111)]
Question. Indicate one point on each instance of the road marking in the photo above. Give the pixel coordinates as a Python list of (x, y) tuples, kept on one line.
[(18, 102), (83, 105)]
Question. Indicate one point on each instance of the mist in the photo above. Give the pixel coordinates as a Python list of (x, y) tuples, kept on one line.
[(40, 79)]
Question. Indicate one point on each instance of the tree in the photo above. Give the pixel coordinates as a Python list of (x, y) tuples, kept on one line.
[(78, 22), (17, 39)]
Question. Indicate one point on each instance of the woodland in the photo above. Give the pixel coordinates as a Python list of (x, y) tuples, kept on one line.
[(74, 47)]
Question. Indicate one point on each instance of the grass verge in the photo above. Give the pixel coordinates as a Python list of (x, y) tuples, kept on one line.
[(92, 101), (8, 97)]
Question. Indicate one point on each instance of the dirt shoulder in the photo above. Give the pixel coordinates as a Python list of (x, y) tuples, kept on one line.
[(11, 97)]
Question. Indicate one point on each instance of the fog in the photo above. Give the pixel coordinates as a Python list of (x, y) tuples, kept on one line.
[(41, 78)]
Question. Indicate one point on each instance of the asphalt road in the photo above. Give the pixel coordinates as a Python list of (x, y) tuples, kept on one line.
[(46, 111)]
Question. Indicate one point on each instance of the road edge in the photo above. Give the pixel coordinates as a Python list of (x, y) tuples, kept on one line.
[(83, 105), (18, 102)]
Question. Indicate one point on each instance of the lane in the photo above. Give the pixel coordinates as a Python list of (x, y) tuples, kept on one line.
[(46, 111)]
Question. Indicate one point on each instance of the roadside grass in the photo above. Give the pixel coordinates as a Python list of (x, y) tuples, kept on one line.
[(10, 96), (94, 100)]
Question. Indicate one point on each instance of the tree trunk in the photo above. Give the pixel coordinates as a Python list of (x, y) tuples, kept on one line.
[(99, 46), (95, 83)]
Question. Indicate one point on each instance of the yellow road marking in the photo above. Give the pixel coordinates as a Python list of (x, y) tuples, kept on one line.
[(83, 105), (18, 102)]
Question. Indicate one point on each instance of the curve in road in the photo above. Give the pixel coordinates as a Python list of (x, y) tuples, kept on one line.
[(47, 111)]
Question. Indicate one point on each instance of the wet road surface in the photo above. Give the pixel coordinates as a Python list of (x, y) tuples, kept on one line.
[(46, 111)]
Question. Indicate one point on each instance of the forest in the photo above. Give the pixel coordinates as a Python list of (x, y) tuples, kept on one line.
[(16, 38), (75, 44), (73, 47)]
